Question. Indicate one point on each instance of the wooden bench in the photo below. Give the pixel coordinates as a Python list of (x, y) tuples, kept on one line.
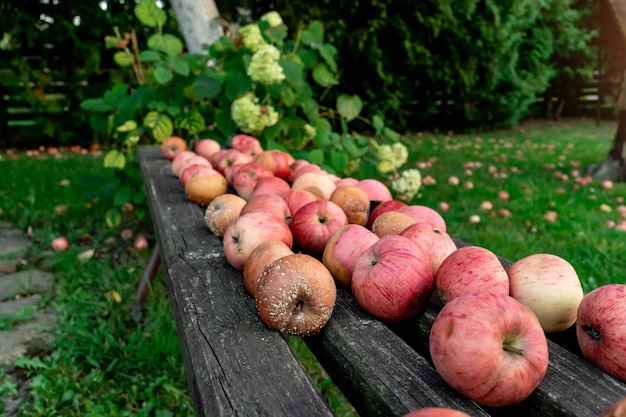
[(236, 365)]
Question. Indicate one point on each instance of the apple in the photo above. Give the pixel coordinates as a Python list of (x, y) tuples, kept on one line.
[(296, 295), (376, 190), (314, 223), (618, 409), (489, 347), (601, 328), (425, 214), (343, 248), (346, 181), (60, 243), (276, 161), (269, 203), (297, 169), (222, 211), (172, 146), (393, 279), (192, 160), (470, 269), (141, 243), (385, 206), (271, 185), (246, 144), (204, 186), (250, 230), (436, 244), (549, 286), (320, 180), (227, 157), (206, 147), (391, 223), (297, 198), (179, 159), (247, 176), (192, 169), (260, 257), (436, 412), (354, 202)]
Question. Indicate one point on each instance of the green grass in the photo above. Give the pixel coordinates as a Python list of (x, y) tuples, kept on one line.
[(105, 364)]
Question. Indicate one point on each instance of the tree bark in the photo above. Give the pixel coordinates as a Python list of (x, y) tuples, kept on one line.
[(614, 165), (199, 23)]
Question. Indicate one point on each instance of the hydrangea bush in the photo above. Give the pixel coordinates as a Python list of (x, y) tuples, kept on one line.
[(264, 81)]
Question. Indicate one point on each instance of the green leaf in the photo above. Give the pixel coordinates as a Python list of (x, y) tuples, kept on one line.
[(123, 195), (114, 159), (195, 61), (276, 34), (160, 124), (163, 75), (192, 121), (95, 104), (292, 70), (237, 83), (225, 123), (316, 156), (313, 35), (323, 76), (127, 126), (113, 217), (149, 14), (149, 56), (288, 96), (311, 110), (349, 106), (99, 122), (206, 86), (391, 134), (353, 150), (338, 159), (123, 59), (167, 43), (178, 65), (328, 52), (308, 57), (221, 46), (378, 123)]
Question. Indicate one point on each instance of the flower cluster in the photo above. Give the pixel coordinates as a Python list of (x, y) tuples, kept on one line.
[(251, 37), (392, 157), (264, 66), (309, 131), (407, 184), (250, 116), (273, 18)]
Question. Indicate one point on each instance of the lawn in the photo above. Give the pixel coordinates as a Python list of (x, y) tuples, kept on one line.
[(106, 364)]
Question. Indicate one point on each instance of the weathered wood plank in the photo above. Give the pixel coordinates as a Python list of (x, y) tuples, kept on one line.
[(235, 365)]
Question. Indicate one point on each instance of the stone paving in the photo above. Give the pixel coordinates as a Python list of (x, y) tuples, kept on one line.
[(21, 292)]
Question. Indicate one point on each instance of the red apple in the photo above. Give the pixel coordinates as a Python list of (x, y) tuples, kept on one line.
[(383, 207), (192, 169), (298, 168), (260, 257), (343, 248), (424, 214), (222, 211), (247, 176), (296, 295), (354, 202), (250, 230), (178, 161), (393, 279), (141, 243), (436, 244), (206, 147), (276, 161), (319, 180), (314, 223), (489, 347), (246, 144), (271, 185), (470, 269), (204, 186), (193, 160), (618, 409), (376, 190), (549, 286), (601, 328), (227, 157), (172, 146), (346, 181), (297, 198), (268, 203), (436, 412), (60, 244)]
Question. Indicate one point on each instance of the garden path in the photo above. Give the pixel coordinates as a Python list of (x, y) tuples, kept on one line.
[(25, 322)]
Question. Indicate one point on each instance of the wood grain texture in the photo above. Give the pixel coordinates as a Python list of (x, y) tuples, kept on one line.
[(235, 365)]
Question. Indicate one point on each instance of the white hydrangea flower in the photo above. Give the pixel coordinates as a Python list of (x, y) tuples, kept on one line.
[(401, 154), (310, 131), (392, 157), (251, 37), (407, 185), (273, 18), (250, 116), (264, 66)]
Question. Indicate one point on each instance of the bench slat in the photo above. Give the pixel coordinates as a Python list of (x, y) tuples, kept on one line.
[(234, 364)]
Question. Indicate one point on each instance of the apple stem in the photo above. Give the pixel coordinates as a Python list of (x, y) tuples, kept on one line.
[(592, 332), (298, 307), (508, 348)]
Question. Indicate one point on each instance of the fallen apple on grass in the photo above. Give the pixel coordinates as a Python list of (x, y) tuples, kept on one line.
[(393, 279), (296, 295), (601, 328), (489, 347), (60, 244), (470, 269), (549, 286)]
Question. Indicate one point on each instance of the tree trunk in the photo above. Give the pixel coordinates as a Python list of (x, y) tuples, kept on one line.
[(614, 165), (199, 23)]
